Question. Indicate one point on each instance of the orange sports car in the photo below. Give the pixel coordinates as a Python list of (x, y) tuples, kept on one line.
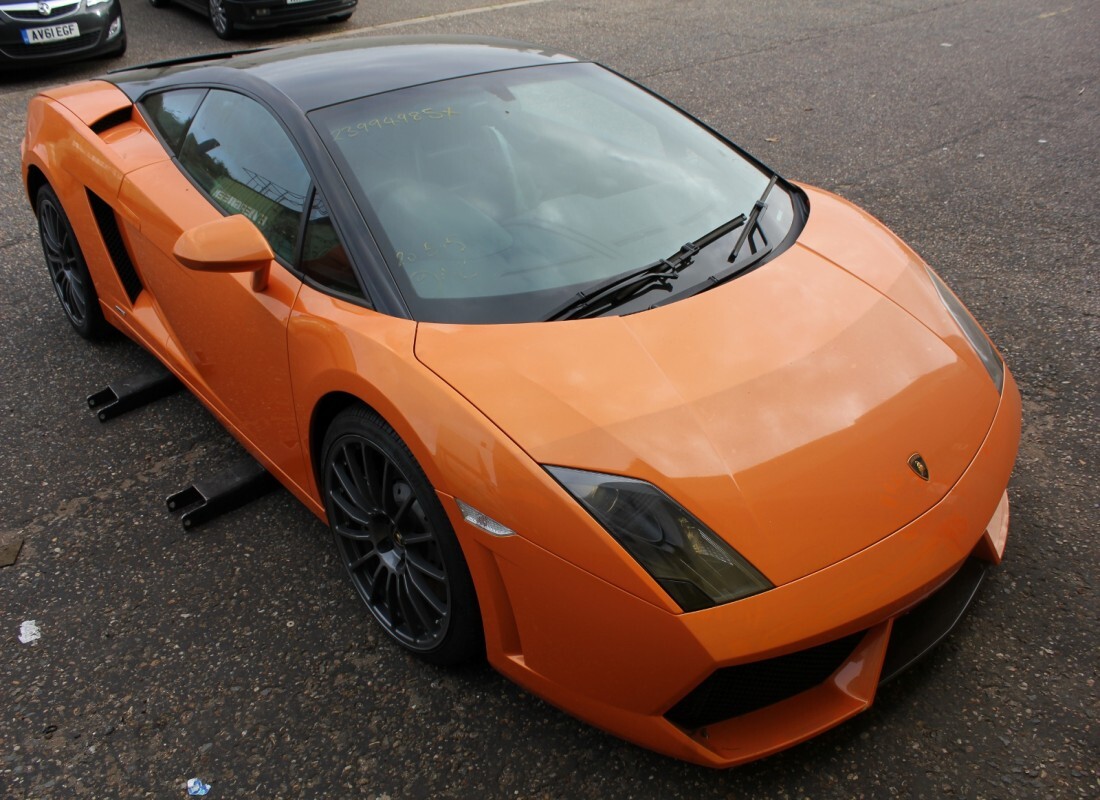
[(695, 453)]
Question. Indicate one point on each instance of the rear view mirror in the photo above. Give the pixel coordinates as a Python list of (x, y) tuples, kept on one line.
[(229, 244)]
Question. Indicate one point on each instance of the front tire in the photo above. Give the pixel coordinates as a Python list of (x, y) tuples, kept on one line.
[(68, 270), (219, 19), (396, 542)]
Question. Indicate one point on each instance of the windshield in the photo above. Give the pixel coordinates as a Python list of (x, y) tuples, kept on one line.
[(500, 196)]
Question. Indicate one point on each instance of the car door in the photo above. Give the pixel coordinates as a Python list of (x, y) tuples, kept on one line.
[(231, 157)]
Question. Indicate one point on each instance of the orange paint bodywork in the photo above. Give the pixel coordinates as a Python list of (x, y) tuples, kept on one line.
[(781, 408)]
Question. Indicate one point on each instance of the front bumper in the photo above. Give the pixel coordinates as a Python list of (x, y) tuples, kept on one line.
[(95, 37), (249, 15), (643, 674)]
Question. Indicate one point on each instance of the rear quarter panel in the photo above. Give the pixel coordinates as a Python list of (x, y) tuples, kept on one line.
[(72, 157)]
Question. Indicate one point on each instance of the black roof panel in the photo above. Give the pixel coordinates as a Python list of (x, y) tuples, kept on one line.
[(319, 74)]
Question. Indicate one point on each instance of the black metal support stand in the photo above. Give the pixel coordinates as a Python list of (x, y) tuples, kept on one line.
[(204, 500), (133, 392)]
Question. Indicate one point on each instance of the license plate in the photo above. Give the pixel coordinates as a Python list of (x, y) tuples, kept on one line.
[(53, 33)]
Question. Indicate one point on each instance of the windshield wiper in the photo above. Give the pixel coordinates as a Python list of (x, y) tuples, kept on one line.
[(660, 273), (757, 255), (753, 225)]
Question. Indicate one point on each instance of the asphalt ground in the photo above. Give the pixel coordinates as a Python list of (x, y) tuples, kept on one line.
[(238, 653)]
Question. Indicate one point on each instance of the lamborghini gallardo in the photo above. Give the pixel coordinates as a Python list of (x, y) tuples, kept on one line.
[(696, 453)]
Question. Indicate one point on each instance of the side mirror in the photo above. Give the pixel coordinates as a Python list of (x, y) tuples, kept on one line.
[(229, 244)]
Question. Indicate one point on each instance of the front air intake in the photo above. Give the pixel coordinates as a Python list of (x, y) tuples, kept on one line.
[(732, 691)]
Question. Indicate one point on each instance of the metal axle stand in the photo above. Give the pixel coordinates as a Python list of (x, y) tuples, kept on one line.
[(133, 392), (204, 500)]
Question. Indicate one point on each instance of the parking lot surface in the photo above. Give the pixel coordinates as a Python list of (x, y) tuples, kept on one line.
[(239, 654)]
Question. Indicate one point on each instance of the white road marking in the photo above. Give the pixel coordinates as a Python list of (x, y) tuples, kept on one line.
[(402, 23)]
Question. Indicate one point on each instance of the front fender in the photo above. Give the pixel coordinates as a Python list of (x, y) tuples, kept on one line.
[(338, 347)]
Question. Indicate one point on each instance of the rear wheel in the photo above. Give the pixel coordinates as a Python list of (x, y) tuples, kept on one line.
[(68, 270), (219, 18), (396, 542)]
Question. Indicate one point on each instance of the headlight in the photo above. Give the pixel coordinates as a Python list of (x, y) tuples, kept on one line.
[(688, 560), (971, 330)]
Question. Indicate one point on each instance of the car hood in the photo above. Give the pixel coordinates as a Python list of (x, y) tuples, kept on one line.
[(781, 408)]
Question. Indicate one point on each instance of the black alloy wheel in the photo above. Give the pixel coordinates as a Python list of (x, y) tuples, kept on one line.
[(396, 542), (68, 271), (219, 18)]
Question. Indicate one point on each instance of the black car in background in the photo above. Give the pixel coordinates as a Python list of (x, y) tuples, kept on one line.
[(48, 31), (230, 16)]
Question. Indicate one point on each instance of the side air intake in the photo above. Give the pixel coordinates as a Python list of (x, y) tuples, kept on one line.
[(116, 248), (112, 120)]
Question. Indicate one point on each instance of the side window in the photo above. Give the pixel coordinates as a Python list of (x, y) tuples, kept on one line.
[(242, 157), (171, 112), (323, 257)]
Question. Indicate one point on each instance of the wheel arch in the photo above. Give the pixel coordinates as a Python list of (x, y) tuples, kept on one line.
[(327, 408), (35, 180), (335, 401)]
